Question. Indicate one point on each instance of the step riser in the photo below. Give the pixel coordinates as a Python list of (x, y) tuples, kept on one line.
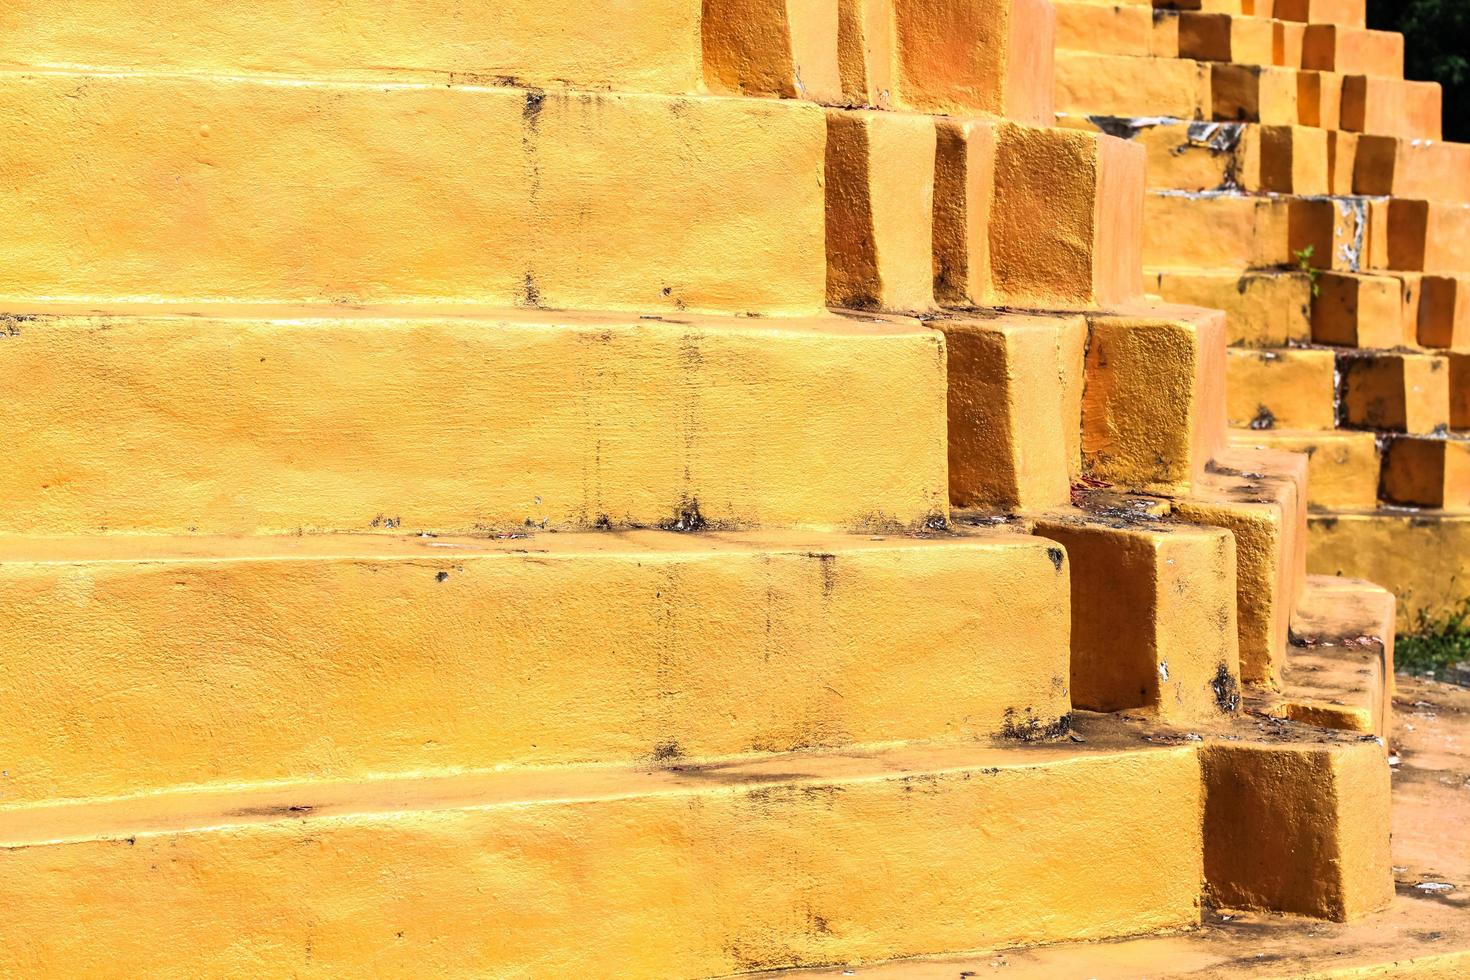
[(195, 672), (647, 45), (713, 879), (243, 426), (146, 186)]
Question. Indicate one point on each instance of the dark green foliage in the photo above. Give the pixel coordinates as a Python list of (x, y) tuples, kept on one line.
[(1436, 49), (1434, 646)]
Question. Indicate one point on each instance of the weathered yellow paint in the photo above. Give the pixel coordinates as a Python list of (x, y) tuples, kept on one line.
[(1153, 616), (1393, 391), (880, 210), (1342, 466), (694, 871), (1153, 408), (1067, 219), (1249, 93), (964, 196), (146, 187), (1227, 231), (787, 48), (1428, 236), (151, 662), (1294, 160), (1256, 495), (1339, 670), (277, 420), (1263, 309), (638, 45), (1427, 472), (1119, 86), (1293, 388), (1443, 316), (1015, 409), (1423, 557), (1299, 828), (1352, 310)]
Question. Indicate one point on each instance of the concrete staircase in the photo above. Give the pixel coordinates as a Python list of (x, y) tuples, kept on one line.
[(670, 489), (1297, 181)]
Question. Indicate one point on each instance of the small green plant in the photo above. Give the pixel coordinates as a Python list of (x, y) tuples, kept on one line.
[(1303, 258), (1434, 645)]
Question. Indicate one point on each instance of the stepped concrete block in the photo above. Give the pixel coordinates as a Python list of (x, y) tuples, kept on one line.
[(1342, 466), (1429, 171), (1319, 99), (691, 870), (1411, 293), (1294, 160), (1299, 828), (1419, 471), (1344, 13), (1394, 392), (1015, 409), (1443, 318), (1428, 236), (1114, 29), (1330, 47), (1378, 233), (865, 57), (1328, 233), (1263, 309), (1288, 388), (1066, 223), (963, 57), (1288, 43), (710, 644), (880, 210), (1223, 38), (150, 187), (1153, 616), (1339, 673), (1187, 156), (1342, 161), (1424, 556), (1223, 231), (1391, 107), (1459, 365), (786, 48), (637, 45), (1259, 496), (277, 420), (1153, 408), (1250, 93), (964, 196), (1353, 310), (1121, 86)]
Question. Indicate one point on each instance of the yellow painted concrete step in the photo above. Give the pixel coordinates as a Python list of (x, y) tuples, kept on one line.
[(1218, 231), (244, 420), (648, 45), (688, 871), (1265, 308), (1342, 465), (1424, 555), (1340, 668), (151, 186), (201, 661), (1286, 388)]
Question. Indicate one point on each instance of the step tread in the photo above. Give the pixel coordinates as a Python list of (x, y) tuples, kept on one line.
[(1100, 737)]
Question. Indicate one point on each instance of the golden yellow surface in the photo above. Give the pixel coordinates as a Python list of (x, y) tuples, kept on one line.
[(150, 663), (1294, 160), (1423, 557), (1289, 388), (1351, 310), (277, 420), (1427, 472), (1398, 392), (1015, 409), (1153, 407), (1255, 496), (692, 871), (964, 196), (1253, 94), (1114, 85), (647, 45), (1153, 616), (1300, 828), (147, 187), (1234, 232), (786, 48), (880, 210), (1263, 309), (1342, 465), (1340, 668)]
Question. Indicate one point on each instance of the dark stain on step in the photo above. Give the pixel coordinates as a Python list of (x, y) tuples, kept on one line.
[(1226, 688), (1057, 556)]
